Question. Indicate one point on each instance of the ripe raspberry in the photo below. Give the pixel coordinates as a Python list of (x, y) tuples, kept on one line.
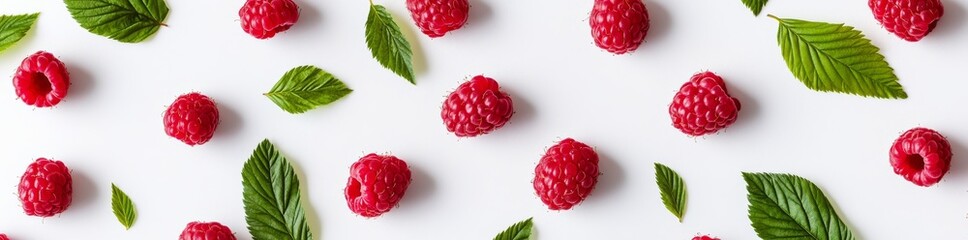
[(437, 17), (46, 188), (3, 237), (909, 19), (264, 18), (192, 118), (42, 80), (703, 105), (566, 174), (619, 26), (206, 231), (921, 156), (705, 237), (476, 107), (376, 184)]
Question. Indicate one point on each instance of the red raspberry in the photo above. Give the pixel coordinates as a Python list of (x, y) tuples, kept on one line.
[(41, 80), (192, 118), (566, 174), (264, 18), (921, 156), (206, 231), (46, 188), (909, 19), (619, 26), (376, 184), (476, 107), (3, 237), (705, 237), (703, 105), (437, 17)]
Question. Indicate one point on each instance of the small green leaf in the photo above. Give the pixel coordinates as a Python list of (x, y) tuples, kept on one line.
[(128, 21), (518, 231), (306, 87), (672, 188), (387, 44), (755, 5), (836, 58), (784, 206), (270, 193), (123, 207), (15, 27)]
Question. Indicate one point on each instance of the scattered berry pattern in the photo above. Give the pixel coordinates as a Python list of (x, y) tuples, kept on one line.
[(192, 118), (376, 184), (42, 80), (264, 18), (703, 105), (619, 26), (437, 17), (476, 108), (206, 231), (921, 156), (46, 188), (910, 20), (566, 174)]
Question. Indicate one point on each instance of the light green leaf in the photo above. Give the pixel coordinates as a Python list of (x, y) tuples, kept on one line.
[(836, 58), (387, 44), (755, 5), (127, 21), (123, 207), (15, 27), (672, 188), (306, 87), (270, 193), (518, 231), (784, 206)]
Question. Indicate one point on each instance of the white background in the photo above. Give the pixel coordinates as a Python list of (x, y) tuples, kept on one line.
[(109, 127)]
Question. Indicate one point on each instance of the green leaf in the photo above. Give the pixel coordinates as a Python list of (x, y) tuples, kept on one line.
[(518, 231), (784, 206), (15, 27), (387, 44), (270, 193), (755, 5), (836, 58), (123, 207), (672, 188), (306, 87), (127, 21)]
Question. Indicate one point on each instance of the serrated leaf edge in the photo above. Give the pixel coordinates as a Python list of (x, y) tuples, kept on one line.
[(518, 231), (674, 198), (123, 207)]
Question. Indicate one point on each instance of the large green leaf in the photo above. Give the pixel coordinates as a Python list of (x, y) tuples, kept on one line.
[(836, 58), (127, 21), (387, 43), (270, 192), (306, 87), (15, 27), (672, 189), (518, 231), (123, 207), (755, 5), (788, 207)]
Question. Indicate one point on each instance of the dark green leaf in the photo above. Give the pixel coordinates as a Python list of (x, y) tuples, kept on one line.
[(755, 5), (784, 206), (387, 43), (306, 87), (15, 27), (836, 58), (518, 231), (672, 188), (127, 21), (270, 191), (123, 207)]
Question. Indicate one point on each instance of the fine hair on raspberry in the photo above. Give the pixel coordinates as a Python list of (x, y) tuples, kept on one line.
[(566, 174), (703, 105), (263, 19), (619, 26), (476, 107), (41, 80), (438, 17), (376, 184), (206, 231), (922, 156), (910, 20), (192, 118), (46, 188)]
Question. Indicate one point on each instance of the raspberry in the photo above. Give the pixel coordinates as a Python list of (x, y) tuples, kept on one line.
[(566, 174), (4, 237), (703, 105), (921, 156), (437, 17), (46, 188), (909, 19), (264, 18), (376, 184), (619, 26), (704, 237), (192, 118), (476, 107), (206, 231), (41, 80)]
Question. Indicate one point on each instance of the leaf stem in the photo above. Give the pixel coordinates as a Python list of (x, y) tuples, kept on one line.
[(773, 17), (163, 24)]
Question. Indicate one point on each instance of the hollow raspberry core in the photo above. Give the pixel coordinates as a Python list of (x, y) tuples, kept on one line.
[(915, 162), (39, 84)]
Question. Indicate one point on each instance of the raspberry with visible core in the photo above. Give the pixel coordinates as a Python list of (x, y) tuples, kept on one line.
[(476, 107), (703, 105), (206, 231), (437, 17), (619, 26), (42, 80), (46, 188), (264, 18), (910, 20), (376, 184), (566, 174), (192, 118), (922, 156)]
